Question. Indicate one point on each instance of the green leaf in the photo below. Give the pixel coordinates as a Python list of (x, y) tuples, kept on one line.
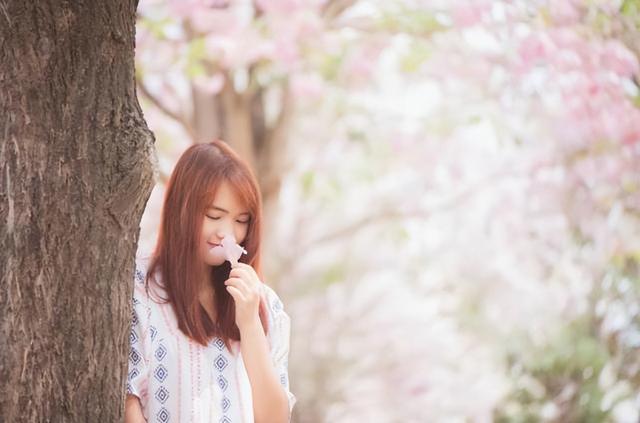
[(334, 274), (417, 55), (330, 66), (195, 55), (411, 21), (630, 8), (155, 26), (307, 181)]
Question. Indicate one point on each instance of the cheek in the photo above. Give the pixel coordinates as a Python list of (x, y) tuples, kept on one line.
[(207, 228), (241, 233)]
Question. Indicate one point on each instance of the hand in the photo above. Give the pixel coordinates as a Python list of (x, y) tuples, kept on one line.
[(246, 289)]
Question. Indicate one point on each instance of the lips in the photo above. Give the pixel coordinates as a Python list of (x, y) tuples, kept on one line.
[(213, 245)]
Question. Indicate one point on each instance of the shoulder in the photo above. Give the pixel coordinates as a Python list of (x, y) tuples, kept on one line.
[(140, 294), (279, 325), (139, 277), (273, 300), (149, 289), (279, 320), (142, 264)]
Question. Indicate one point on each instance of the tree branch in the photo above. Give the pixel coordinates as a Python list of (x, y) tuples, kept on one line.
[(182, 120), (334, 8), (393, 214)]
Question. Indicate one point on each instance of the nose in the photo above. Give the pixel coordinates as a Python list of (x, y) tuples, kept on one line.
[(222, 232)]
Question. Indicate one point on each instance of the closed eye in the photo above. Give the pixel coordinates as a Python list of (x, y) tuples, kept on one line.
[(244, 222)]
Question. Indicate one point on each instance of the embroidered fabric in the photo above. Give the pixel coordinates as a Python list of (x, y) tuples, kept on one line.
[(179, 380)]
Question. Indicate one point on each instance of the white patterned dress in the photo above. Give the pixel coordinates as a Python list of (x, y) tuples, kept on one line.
[(179, 380)]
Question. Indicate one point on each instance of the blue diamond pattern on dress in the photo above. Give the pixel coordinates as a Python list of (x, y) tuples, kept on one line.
[(134, 318), (139, 275), (133, 337), (163, 415), (219, 343), (133, 373), (277, 305), (222, 382), (162, 394), (161, 351), (134, 356), (135, 301), (283, 379), (129, 388), (160, 373), (225, 419), (220, 362), (153, 331), (225, 404)]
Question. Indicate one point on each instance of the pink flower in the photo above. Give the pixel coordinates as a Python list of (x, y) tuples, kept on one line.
[(565, 12), (619, 59), (534, 50), (286, 7), (211, 84), (469, 14), (232, 251), (308, 86), (238, 50)]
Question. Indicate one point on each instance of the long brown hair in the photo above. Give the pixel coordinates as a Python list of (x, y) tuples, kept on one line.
[(177, 256)]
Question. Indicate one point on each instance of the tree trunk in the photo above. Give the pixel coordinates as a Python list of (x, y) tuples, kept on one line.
[(75, 177), (237, 125)]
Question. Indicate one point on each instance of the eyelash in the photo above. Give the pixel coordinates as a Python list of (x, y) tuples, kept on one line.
[(217, 218)]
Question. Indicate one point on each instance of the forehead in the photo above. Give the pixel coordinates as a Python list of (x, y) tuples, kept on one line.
[(226, 197)]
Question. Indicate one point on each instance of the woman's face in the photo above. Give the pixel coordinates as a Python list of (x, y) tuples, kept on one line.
[(226, 215)]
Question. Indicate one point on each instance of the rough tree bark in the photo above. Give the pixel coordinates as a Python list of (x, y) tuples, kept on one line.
[(76, 174)]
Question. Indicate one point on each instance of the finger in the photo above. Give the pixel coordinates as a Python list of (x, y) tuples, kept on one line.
[(239, 284), (250, 293), (249, 277), (247, 268), (236, 294), (239, 273)]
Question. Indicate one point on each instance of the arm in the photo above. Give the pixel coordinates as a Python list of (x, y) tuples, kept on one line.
[(133, 410), (270, 402), (137, 372)]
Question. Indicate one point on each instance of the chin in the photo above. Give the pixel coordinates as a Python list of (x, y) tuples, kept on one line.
[(219, 261), (215, 263)]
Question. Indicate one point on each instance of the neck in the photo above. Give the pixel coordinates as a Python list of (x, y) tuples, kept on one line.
[(206, 290)]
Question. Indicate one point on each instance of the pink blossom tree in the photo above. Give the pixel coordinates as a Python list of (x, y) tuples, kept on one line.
[(457, 193)]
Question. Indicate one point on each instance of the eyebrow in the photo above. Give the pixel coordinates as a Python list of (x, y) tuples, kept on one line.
[(223, 210)]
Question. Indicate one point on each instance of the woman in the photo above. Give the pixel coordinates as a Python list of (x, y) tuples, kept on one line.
[(209, 341)]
